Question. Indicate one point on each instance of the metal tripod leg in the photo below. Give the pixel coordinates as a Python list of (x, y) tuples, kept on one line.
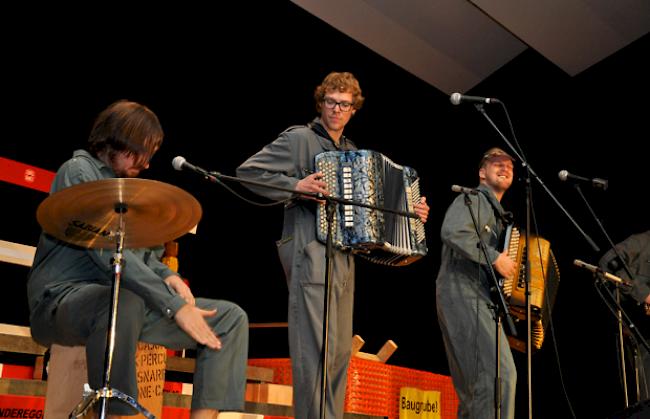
[(90, 397)]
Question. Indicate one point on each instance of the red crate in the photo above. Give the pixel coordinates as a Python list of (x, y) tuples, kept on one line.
[(16, 371)]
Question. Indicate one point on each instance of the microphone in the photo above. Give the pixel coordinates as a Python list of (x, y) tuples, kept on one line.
[(464, 190), (599, 271), (180, 163), (595, 182), (457, 99)]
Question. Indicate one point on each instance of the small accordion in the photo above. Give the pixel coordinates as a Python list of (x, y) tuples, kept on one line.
[(371, 178), (544, 282)]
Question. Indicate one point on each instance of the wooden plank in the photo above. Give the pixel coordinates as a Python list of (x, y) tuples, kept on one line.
[(386, 351), (15, 330), (267, 325), (239, 415), (19, 339), (260, 374), (287, 411), (269, 393), (369, 357), (17, 253), (39, 367), (269, 409), (382, 356), (357, 343), (175, 363), (18, 387), (177, 400)]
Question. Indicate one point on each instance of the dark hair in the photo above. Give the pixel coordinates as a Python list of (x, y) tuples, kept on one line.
[(339, 82), (126, 127)]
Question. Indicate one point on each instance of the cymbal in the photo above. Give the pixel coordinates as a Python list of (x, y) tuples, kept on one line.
[(152, 213)]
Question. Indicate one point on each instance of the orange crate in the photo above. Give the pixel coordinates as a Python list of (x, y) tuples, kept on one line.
[(373, 388)]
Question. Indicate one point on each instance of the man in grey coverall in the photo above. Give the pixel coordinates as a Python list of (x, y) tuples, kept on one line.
[(463, 293), (288, 162), (69, 287)]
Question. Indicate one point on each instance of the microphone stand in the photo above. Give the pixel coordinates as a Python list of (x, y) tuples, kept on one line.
[(500, 310), (331, 203), (612, 302), (621, 349), (531, 173), (622, 319)]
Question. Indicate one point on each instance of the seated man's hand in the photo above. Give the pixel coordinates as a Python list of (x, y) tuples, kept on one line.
[(181, 288), (192, 320)]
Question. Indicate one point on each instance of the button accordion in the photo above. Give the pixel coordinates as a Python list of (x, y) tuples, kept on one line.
[(544, 282), (371, 178)]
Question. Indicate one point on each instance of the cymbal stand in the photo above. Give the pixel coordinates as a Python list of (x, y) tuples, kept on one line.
[(106, 392)]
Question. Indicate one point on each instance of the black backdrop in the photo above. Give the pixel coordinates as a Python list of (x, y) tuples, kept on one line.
[(224, 83)]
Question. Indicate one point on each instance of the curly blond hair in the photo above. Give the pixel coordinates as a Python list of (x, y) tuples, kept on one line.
[(339, 82)]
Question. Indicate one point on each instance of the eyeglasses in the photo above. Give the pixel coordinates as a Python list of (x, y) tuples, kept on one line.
[(343, 106)]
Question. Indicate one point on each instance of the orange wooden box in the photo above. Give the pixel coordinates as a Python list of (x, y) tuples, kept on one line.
[(373, 388)]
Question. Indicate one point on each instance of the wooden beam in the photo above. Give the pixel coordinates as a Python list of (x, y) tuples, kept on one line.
[(19, 339), (382, 356), (17, 253), (357, 343), (253, 373), (267, 325), (369, 357), (20, 387), (387, 350)]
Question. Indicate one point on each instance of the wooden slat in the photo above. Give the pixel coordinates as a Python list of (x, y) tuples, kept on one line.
[(269, 393), (239, 415), (382, 356), (15, 330), (177, 400), (260, 374), (267, 325), (175, 363), (39, 367), (369, 357), (387, 350), (18, 387), (18, 339), (357, 343), (17, 253)]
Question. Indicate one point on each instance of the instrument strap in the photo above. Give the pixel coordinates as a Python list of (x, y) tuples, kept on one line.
[(506, 217)]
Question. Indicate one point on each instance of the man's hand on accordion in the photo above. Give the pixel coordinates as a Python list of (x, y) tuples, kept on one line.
[(312, 184), (505, 265), (422, 209)]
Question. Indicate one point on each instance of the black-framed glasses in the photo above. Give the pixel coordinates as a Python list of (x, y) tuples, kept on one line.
[(344, 106)]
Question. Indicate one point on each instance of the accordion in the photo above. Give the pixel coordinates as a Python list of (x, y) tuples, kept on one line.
[(371, 178), (544, 282)]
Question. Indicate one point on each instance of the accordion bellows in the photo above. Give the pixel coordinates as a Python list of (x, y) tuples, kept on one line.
[(544, 282), (370, 178)]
